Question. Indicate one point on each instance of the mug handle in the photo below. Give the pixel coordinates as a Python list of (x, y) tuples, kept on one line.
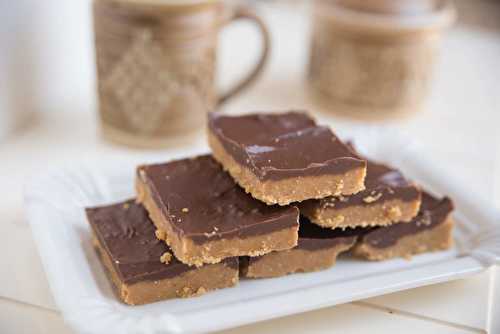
[(246, 13)]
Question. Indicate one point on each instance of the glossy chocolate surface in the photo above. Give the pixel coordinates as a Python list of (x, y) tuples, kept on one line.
[(433, 212), (382, 183), (279, 146), (128, 236), (203, 203)]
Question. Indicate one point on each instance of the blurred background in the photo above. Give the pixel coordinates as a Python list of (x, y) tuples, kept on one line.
[(49, 115), (49, 84)]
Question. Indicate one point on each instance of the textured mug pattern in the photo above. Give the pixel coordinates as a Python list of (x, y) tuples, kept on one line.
[(371, 65), (142, 91), (388, 74), (152, 84)]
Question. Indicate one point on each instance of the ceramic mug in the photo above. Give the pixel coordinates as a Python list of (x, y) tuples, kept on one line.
[(374, 60), (156, 66)]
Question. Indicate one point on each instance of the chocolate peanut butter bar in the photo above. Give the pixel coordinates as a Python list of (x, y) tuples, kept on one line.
[(388, 198), (284, 158), (317, 249), (141, 267), (205, 216), (430, 230)]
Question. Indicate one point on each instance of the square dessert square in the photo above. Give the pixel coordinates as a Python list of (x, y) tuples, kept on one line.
[(284, 158), (317, 249), (388, 198), (431, 230), (141, 267), (205, 216)]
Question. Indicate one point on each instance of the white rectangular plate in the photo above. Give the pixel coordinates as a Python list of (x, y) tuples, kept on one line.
[(55, 202)]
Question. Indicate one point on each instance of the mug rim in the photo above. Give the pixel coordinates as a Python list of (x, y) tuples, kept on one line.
[(442, 17), (166, 4)]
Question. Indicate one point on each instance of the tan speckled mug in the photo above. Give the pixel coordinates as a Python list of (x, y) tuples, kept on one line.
[(156, 66), (374, 59)]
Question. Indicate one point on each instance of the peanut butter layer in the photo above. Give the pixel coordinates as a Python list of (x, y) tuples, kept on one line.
[(317, 249), (430, 230), (205, 216), (141, 267), (284, 158), (388, 198)]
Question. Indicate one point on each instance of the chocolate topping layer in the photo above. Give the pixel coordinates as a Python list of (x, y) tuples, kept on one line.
[(382, 183), (128, 236), (278, 146), (313, 237), (203, 203), (432, 213)]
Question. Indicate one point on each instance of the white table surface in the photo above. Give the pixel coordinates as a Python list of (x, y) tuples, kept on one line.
[(458, 127)]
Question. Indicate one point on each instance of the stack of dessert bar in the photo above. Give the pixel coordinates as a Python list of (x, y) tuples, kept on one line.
[(279, 194)]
